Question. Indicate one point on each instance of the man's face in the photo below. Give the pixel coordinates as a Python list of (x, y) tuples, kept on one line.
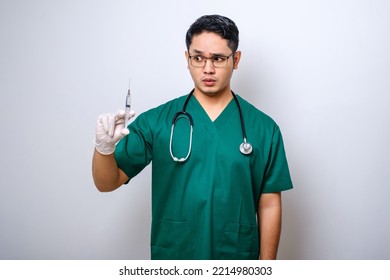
[(208, 79)]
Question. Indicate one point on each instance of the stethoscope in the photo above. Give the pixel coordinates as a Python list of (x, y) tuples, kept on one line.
[(245, 146)]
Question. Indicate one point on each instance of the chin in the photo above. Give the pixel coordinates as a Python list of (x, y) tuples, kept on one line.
[(209, 91)]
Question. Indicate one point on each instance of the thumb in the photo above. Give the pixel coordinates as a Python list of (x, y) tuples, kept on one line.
[(131, 115), (125, 131)]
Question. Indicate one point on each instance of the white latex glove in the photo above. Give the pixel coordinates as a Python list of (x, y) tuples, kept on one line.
[(110, 128)]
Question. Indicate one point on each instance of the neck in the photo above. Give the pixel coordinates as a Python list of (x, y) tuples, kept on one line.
[(214, 104)]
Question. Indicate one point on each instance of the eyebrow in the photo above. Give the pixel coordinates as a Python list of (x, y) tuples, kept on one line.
[(212, 54)]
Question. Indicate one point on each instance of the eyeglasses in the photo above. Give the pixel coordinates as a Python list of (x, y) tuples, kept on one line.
[(218, 61)]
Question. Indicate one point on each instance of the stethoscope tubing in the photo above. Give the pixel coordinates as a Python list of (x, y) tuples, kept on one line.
[(245, 147)]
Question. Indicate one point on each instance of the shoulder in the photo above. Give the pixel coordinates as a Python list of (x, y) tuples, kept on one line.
[(157, 116), (165, 108), (173, 104), (156, 119), (254, 114)]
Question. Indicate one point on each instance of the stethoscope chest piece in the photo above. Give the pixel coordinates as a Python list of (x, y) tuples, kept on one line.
[(246, 148)]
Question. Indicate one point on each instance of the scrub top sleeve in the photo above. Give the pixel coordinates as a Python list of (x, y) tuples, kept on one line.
[(277, 174), (134, 152)]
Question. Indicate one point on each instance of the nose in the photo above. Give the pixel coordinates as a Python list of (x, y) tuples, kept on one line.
[(208, 67)]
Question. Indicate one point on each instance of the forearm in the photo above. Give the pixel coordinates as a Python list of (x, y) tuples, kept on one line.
[(270, 217), (106, 174)]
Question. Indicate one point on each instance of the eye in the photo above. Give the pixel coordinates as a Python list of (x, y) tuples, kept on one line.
[(219, 58), (197, 58)]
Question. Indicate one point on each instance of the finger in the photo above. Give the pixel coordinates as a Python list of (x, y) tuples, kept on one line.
[(120, 117), (121, 113), (111, 125), (131, 115), (104, 121)]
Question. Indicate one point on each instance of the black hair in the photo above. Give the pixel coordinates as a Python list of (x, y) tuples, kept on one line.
[(221, 25)]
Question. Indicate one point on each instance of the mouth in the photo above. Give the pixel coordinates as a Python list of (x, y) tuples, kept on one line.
[(209, 81)]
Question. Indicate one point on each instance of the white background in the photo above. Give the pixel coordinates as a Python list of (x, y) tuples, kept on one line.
[(321, 69)]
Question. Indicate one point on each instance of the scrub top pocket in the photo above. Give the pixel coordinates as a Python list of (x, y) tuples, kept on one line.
[(240, 242), (171, 240)]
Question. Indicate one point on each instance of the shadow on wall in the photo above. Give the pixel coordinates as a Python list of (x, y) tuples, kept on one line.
[(252, 81)]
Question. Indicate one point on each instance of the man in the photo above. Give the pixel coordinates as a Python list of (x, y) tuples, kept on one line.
[(207, 196)]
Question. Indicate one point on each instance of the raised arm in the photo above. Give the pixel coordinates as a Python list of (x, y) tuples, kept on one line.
[(110, 128), (106, 174)]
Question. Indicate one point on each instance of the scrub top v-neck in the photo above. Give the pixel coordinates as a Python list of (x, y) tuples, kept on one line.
[(205, 208)]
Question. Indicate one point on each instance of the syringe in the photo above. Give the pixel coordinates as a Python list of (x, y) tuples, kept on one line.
[(128, 106)]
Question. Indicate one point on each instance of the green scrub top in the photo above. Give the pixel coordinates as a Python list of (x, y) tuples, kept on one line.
[(205, 208)]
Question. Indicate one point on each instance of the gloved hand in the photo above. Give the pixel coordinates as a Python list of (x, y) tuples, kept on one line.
[(110, 128)]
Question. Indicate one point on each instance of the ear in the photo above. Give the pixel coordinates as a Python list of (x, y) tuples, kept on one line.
[(187, 57), (236, 57)]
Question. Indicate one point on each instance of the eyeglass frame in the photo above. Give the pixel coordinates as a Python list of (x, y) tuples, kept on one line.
[(211, 58)]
